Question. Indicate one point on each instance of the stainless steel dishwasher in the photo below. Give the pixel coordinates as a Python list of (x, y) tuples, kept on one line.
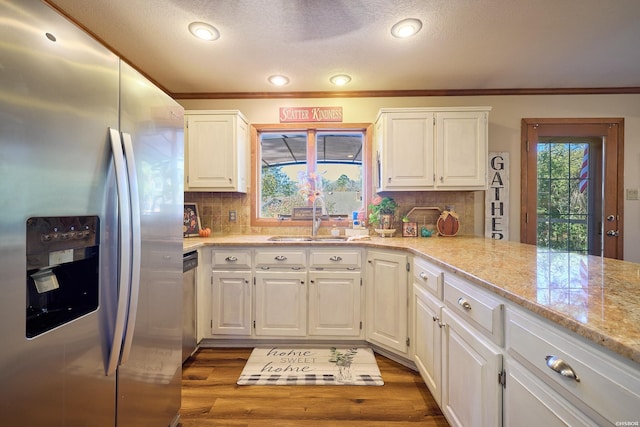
[(189, 280)]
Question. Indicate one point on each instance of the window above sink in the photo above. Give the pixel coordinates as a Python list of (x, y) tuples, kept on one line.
[(293, 162)]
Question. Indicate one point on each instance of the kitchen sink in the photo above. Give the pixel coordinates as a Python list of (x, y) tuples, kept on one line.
[(307, 238), (329, 238)]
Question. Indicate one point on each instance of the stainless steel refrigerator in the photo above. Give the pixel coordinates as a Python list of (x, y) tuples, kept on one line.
[(91, 204)]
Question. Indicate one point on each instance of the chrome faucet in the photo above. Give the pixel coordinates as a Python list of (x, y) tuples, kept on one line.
[(315, 222)]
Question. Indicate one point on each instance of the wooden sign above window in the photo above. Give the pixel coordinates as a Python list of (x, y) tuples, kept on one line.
[(310, 114)]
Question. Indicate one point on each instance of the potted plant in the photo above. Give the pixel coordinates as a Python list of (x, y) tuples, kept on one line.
[(381, 211)]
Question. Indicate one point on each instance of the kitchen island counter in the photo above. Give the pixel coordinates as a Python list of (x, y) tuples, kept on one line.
[(593, 297)]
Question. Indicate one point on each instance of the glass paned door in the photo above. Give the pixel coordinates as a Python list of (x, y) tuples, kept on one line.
[(564, 211)]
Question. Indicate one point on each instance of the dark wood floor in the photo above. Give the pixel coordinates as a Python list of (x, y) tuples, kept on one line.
[(210, 397)]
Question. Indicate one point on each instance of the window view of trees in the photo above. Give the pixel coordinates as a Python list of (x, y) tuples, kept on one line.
[(288, 180), (563, 196)]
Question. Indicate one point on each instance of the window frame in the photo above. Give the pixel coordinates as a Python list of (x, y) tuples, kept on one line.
[(257, 129)]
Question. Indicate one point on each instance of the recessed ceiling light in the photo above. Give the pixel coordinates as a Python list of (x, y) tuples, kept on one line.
[(278, 80), (204, 31), (406, 28), (340, 79)]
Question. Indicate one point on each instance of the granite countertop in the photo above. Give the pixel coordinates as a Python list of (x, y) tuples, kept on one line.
[(596, 298)]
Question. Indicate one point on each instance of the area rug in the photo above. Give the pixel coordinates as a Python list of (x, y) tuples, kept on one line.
[(311, 366)]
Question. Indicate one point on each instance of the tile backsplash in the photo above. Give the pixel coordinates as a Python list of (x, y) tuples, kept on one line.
[(214, 211)]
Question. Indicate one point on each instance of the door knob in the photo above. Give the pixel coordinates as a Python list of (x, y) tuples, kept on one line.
[(613, 233), (611, 218)]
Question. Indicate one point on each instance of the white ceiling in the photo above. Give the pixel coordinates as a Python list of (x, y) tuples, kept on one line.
[(464, 44)]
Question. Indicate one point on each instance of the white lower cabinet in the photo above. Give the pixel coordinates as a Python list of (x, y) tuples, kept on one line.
[(596, 387), (231, 296), (427, 347), (471, 393), (230, 293), (386, 319), (334, 303), (528, 402), (487, 361), (281, 303)]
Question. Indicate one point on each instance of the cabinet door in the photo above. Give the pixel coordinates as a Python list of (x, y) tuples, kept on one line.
[(281, 303), (215, 152), (406, 141), (471, 393), (427, 348), (386, 289), (528, 402), (231, 300), (334, 303), (461, 147)]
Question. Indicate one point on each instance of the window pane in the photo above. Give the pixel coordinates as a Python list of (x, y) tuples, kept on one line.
[(543, 197), (543, 161), (340, 166), (559, 197), (283, 156), (559, 159), (286, 178)]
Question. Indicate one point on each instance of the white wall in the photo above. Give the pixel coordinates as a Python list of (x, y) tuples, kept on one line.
[(504, 132)]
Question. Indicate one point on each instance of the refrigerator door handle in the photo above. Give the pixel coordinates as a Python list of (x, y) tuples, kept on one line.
[(124, 250), (136, 241)]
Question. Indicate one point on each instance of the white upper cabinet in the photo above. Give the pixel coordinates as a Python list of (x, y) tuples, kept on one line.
[(461, 149), (405, 149), (216, 151), (431, 149)]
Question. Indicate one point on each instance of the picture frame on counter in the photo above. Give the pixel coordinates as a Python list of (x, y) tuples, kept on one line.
[(409, 229), (191, 221)]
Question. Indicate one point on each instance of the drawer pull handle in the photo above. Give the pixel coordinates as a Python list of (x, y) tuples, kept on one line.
[(561, 367), (464, 304), (424, 276), (280, 258), (231, 259), (335, 258)]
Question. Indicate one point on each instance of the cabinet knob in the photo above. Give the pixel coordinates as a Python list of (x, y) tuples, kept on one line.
[(335, 258), (423, 275), (560, 366), (231, 259), (464, 304), (389, 179), (302, 282), (280, 258), (442, 179)]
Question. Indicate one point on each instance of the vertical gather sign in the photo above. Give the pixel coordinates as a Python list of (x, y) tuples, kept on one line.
[(497, 197)]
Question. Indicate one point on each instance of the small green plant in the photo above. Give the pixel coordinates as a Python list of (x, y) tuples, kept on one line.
[(342, 358), (381, 206)]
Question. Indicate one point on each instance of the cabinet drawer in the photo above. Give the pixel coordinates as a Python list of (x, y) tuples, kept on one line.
[(281, 258), (231, 259), (427, 276), (476, 307), (335, 259), (607, 387)]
